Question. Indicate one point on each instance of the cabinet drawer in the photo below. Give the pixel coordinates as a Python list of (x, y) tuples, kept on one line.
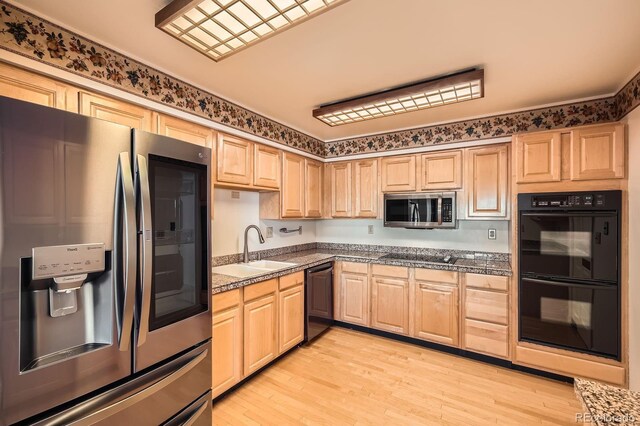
[(491, 339), (487, 306), (226, 300), (493, 282), (291, 280), (254, 291), (390, 271), (355, 268), (437, 276)]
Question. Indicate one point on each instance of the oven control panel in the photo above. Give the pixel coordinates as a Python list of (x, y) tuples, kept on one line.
[(586, 201), (568, 200)]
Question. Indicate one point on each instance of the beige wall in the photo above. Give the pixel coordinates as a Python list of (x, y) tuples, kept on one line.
[(633, 122)]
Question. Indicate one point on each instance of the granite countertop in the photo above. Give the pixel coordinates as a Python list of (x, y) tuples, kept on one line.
[(606, 404), (309, 258)]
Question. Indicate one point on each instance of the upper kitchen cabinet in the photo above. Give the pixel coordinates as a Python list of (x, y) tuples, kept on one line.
[(266, 172), (235, 157), (115, 111), (341, 189), (313, 199), (399, 173), (442, 170), (293, 188), (183, 130), (538, 157), (487, 172), (29, 87), (365, 185), (598, 152)]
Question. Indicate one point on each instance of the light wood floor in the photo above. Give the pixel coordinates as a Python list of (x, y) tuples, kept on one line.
[(349, 378)]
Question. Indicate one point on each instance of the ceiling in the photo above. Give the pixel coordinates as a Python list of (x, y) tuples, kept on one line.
[(533, 53)]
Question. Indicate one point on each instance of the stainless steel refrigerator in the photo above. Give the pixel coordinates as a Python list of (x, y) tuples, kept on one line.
[(105, 276)]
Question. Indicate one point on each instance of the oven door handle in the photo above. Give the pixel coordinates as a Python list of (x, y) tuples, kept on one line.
[(599, 286)]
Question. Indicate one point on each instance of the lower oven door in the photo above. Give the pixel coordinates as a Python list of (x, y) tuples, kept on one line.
[(574, 316)]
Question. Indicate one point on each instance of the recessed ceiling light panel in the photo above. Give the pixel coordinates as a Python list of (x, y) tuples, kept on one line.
[(220, 28), (454, 88)]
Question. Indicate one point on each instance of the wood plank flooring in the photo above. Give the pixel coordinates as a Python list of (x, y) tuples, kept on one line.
[(351, 378)]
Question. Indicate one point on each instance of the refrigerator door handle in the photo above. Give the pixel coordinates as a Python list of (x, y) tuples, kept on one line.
[(125, 198), (146, 247)]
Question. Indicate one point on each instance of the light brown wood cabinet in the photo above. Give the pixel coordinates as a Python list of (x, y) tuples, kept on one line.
[(487, 188), (260, 325), (293, 190), (441, 170), (598, 152), (353, 291), (365, 185), (538, 157), (436, 306), (183, 130), (226, 334), (29, 87), (313, 177), (115, 111), (390, 298), (266, 171), (291, 311), (235, 160), (398, 173), (341, 189)]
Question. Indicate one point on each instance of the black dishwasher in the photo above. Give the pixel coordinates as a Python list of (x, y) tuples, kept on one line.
[(319, 300)]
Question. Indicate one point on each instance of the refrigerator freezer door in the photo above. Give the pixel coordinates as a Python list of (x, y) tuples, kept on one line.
[(58, 186), (173, 196)]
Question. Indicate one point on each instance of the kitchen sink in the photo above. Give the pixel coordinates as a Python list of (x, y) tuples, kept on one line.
[(240, 270), (271, 265)]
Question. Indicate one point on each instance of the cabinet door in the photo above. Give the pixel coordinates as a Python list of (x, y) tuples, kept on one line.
[(399, 173), (598, 153), (354, 298), (366, 188), (341, 189), (227, 349), (313, 185), (484, 337), (390, 304), (235, 157), (538, 157), (267, 167), (441, 170), (292, 185), (29, 87), (437, 313), (487, 182), (115, 111), (183, 130), (291, 325), (260, 333)]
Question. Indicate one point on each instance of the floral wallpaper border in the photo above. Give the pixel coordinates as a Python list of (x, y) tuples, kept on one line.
[(30, 36)]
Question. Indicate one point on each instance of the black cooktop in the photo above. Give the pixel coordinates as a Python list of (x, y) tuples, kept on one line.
[(420, 258)]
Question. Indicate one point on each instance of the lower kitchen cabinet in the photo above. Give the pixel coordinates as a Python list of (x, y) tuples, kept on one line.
[(354, 293), (291, 311), (390, 298), (260, 325), (227, 341), (487, 338), (436, 313)]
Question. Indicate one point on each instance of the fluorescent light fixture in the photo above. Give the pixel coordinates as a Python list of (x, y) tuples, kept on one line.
[(220, 28), (453, 88)]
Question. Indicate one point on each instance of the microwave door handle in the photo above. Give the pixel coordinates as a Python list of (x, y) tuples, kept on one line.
[(125, 200), (146, 247), (440, 210)]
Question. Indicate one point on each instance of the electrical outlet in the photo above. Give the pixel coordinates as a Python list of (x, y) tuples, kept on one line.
[(235, 195), (370, 229), (269, 232), (492, 234)]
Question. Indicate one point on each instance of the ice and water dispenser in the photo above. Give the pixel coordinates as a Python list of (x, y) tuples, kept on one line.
[(65, 303)]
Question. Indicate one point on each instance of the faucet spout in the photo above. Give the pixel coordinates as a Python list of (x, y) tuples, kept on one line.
[(246, 243)]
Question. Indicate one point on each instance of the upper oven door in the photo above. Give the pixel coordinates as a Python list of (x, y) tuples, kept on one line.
[(575, 245), (411, 210)]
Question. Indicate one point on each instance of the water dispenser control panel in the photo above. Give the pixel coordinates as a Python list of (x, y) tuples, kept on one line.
[(58, 261)]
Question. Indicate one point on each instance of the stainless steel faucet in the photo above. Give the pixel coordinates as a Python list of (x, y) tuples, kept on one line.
[(246, 245)]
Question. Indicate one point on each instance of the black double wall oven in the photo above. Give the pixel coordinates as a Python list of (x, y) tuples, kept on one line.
[(569, 263)]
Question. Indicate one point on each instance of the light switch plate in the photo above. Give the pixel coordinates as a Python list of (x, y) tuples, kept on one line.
[(370, 229), (235, 195), (269, 232), (492, 234)]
